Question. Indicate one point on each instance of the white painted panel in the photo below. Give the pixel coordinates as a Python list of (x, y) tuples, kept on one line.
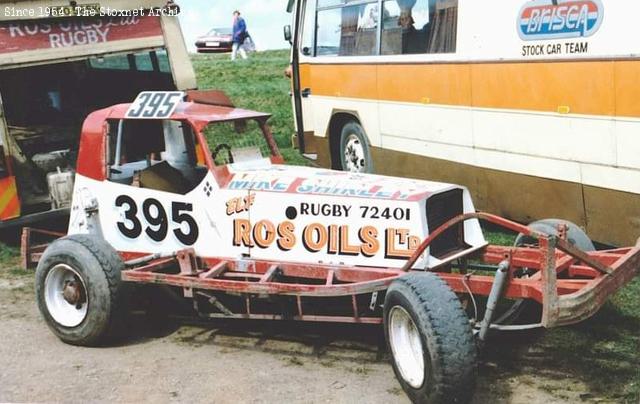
[(427, 122), (563, 137), (621, 179), (441, 151), (562, 147), (628, 142), (307, 115), (497, 160), (528, 165)]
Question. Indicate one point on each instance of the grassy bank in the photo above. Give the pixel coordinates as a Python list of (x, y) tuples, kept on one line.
[(258, 84)]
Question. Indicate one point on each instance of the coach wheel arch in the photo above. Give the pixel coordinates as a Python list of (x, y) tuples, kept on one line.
[(349, 143)]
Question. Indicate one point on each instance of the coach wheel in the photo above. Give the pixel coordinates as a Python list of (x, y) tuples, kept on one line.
[(79, 290), (430, 340), (528, 310), (355, 155)]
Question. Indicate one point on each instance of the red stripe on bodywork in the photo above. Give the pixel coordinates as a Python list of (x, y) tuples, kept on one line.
[(593, 7)]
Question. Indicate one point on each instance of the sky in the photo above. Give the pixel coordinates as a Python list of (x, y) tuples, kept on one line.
[(265, 19)]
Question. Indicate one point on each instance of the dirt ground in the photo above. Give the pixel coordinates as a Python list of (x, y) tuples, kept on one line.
[(229, 362)]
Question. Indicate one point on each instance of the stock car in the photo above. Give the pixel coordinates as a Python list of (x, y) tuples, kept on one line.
[(218, 40), (166, 193)]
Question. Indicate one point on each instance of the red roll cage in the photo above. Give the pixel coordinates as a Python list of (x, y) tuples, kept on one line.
[(197, 115)]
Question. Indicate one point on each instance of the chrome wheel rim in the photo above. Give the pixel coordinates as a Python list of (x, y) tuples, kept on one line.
[(354, 155), (65, 296), (406, 347)]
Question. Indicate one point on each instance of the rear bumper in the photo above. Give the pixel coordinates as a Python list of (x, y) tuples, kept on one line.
[(585, 303), (570, 284), (222, 48)]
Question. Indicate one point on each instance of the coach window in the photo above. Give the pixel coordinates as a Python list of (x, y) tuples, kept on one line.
[(349, 30), (308, 27), (419, 26)]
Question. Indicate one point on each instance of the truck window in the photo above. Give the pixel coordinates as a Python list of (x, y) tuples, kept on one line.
[(160, 155), (347, 31), (143, 62), (422, 26)]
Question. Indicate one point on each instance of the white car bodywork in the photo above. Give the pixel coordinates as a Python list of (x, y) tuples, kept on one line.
[(275, 212)]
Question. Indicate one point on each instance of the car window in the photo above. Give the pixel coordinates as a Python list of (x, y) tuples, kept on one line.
[(219, 31)]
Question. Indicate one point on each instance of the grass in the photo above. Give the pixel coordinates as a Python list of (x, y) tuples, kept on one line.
[(257, 84), (603, 352), (8, 253), (10, 262)]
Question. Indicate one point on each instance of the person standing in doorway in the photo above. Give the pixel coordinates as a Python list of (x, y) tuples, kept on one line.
[(239, 36)]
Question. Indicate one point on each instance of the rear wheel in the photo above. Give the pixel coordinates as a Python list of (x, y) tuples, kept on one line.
[(79, 290), (430, 340), (355, 154)]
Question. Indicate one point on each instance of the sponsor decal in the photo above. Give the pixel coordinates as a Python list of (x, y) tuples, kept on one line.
[(331, 239), (559, 19), (316, 186), (20, 36), (240, 204), (322, 235), (341, 210), (154, 221)]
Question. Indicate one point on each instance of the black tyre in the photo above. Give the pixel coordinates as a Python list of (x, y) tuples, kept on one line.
[(355, 153), (430, 340), (524, 311), (79, 290)]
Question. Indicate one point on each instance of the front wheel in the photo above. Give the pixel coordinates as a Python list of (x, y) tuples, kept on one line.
[(430, 340), (79, 290), (355, 154)]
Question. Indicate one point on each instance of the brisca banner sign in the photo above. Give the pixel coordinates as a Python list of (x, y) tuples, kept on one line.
[(22, 36), (559, 19)]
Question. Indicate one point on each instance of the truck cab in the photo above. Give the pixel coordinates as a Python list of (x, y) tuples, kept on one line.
[(54, 71)]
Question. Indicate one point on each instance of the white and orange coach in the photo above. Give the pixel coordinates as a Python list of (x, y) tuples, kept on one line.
[(541, 94)]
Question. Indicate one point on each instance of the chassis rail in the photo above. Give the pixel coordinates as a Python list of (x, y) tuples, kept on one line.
[(570, 284)]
